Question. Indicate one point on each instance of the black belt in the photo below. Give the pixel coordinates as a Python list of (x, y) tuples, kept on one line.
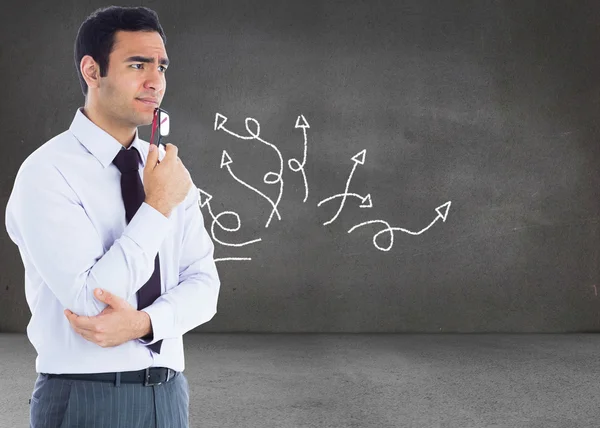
[(150, 376)]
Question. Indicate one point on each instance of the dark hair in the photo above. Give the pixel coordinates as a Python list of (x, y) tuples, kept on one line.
[(96, 36)]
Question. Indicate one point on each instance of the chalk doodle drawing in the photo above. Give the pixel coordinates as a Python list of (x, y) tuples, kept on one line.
[(442, 214), (294, 164), (276, 177), (358, 159), (204, 199), (225, 162)]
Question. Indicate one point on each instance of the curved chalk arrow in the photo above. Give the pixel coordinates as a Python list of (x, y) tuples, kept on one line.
[(358, 159), (293, 163), (204, 201), (226, 161), (219, 124), (254, 135), (366, 200), (442, 214), (203, 197)]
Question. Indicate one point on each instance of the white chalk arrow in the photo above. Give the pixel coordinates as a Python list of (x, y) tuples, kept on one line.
[(253, 128), (442, 214), (294, 164), (358, 158), (203, 197), (366, 201), (220, 125), (301, 122), (227, 161), (219, 121), (442, 211)]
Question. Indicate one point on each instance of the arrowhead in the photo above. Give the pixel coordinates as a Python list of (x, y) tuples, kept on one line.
[(366, 202), (301, 122), (219, 121), (204, 197), (442, 210), (360, 157), (225, 159)]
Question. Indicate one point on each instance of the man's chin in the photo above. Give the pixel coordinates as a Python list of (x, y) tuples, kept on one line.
[(142, 119), (144, 113)]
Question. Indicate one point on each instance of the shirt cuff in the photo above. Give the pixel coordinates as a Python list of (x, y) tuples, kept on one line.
[(148, 228), (161, 320)]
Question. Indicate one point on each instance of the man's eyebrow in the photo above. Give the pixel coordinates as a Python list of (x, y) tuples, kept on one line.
[(138, 58)]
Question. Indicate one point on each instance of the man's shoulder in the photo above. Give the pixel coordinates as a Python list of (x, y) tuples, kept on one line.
[(58, 145), (47, 157)]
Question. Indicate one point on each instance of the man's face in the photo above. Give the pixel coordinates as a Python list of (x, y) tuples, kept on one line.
[(135, 83)]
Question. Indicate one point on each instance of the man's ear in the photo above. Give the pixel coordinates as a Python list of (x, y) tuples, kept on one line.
[(90, 71)]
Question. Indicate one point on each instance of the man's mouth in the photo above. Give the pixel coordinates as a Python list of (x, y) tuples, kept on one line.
[(149, 101)]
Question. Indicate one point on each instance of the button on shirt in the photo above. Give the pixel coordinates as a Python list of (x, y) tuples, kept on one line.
[(67, 217)]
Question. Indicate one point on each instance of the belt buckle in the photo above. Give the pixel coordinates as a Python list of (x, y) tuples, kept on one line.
[(147, 378)]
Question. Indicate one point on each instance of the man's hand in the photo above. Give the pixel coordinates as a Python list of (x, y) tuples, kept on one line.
[(118, 323), (166, 183)]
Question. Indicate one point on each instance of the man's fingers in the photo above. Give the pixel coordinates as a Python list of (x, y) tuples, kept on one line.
[(73, 321), (112, 300), (71, 316), (86, 328), (80, 322), (171, 151), (152, 157), (103, 295), (106, 310)]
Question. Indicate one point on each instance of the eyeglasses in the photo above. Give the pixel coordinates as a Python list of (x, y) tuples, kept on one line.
[(161, 123)]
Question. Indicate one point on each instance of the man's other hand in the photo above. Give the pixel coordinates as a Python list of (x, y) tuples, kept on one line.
[(118, 323)]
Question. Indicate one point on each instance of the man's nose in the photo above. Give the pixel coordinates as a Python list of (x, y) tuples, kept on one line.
[(155, 80)]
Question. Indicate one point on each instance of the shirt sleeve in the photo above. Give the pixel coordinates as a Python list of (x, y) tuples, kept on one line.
[(49, 224), (194, 300)]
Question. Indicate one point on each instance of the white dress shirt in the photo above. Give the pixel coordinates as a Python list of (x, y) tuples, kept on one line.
[(67, 217)]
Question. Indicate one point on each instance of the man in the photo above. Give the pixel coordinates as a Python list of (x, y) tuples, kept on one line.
[(109, 351)]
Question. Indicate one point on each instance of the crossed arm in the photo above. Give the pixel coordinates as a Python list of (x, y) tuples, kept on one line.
[(70, 258), (118, 323)]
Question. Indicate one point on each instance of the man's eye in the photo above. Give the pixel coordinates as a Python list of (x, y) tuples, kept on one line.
[(135, 65), (163, 68)]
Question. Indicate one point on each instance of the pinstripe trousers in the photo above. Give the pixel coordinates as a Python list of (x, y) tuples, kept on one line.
[(65, 403)]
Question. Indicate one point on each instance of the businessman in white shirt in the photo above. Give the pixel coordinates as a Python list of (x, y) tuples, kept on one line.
[(104, 360)]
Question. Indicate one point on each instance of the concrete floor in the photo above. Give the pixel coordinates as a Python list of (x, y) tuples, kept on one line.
[(251, 380)]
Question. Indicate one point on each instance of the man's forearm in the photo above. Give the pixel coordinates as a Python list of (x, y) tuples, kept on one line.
[(142, 326), (194, 300)]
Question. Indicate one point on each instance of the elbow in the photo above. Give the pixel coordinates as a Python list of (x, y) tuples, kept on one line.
[(214, 304), (205, 317), (79, 298), (211, 316), (209, 304)]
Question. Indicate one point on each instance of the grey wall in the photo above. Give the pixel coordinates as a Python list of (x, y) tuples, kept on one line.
[(491, 105)]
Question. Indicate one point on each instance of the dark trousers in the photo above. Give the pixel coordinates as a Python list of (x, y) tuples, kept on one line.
[(62, 403)]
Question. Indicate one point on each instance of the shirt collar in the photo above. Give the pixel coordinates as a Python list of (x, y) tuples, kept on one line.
[(100, 143)]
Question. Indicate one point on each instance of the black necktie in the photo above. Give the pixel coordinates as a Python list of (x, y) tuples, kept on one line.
[(133, 194)]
